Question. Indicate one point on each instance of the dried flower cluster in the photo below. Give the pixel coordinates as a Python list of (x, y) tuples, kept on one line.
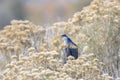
[(16, 38), (31, 52), (47, 66)]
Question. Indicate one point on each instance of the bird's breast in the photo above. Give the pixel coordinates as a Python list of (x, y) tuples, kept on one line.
[(65, 41)]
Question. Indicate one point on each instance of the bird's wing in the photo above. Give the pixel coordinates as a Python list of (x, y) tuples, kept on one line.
[(72, 42)]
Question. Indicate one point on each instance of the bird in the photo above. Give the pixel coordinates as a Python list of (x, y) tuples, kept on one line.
[(67, 41)]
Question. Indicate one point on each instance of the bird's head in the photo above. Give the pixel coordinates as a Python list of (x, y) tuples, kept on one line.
[(63, 35)]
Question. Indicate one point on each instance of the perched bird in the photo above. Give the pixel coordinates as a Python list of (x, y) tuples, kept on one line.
[(67, 41)]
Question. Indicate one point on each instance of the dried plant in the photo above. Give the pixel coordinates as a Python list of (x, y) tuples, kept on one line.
[(31, 52)]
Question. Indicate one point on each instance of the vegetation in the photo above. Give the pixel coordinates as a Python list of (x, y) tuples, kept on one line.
[(31, 52)]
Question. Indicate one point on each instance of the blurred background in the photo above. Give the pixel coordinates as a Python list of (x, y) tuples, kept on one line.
[(40, 12)]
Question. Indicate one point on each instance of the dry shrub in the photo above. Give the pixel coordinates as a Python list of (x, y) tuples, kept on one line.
[(96, 29), (33, 51), (47, 66), (101, 23)]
